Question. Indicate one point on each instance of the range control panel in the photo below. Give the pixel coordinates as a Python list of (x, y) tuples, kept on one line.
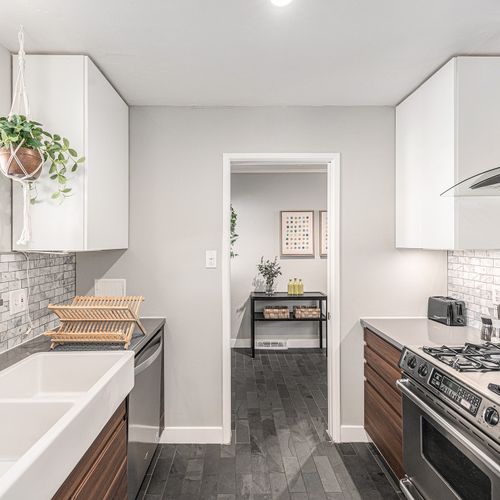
[(456, 392)]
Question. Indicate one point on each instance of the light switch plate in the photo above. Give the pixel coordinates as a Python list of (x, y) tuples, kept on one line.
[(18, 300), (211, 259)]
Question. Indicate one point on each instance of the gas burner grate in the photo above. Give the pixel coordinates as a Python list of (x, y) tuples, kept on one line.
[(469, 357)]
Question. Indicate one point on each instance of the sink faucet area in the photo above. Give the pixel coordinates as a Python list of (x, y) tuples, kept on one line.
[(48, 401)]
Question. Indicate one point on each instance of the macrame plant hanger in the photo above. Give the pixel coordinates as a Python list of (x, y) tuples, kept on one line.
[(21, 174)]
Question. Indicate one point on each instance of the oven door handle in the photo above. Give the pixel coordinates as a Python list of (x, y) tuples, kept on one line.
[(461, 438)]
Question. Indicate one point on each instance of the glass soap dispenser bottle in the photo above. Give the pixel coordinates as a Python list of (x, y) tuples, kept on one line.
[(300, 288), (290, 287)]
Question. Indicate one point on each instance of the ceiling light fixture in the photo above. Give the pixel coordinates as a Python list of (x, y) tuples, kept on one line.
[(281, 3)]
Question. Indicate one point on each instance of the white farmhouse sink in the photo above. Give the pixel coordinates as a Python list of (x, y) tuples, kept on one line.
[(54, 375), (52, 407), (23, 424)]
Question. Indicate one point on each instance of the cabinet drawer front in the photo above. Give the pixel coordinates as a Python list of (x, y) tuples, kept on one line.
[(389, 372), (384, 426), (389, 392), (387, 416), (382, 348), (110, 445), (119, 487), (100, 478)]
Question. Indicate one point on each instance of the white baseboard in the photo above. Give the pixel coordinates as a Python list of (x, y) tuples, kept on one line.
[(292, 343), (353, 434), (192, 435)]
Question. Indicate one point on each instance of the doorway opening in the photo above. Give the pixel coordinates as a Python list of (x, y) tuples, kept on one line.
[(243, 172)]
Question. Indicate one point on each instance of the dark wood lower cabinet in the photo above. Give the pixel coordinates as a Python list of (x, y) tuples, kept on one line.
[(102, 472), (383, 403)]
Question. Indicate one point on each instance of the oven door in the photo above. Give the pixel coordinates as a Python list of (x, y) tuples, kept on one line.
[(443, 460)]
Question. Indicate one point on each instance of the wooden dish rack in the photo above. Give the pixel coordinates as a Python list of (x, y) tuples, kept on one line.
[(96, 320)]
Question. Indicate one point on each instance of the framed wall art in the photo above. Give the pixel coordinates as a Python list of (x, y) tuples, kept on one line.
[(297, 233), (323, 233)]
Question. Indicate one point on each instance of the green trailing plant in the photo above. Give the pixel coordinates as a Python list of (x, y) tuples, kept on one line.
[(269, 270), (234, 236), (55, 149)]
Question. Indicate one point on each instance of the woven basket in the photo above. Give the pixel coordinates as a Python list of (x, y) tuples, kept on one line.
[(307, 312), (276, 312)]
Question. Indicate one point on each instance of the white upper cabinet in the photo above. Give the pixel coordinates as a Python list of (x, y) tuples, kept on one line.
[(446, 131), (5, 190), (71, 97)]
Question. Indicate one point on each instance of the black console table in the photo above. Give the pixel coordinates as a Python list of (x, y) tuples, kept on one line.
[(318, 297)]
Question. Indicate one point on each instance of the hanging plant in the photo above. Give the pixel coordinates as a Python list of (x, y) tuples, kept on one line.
[(25, 147), (234, 236)]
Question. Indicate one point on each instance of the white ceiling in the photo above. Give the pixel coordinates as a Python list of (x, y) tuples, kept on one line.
[(248, 52)]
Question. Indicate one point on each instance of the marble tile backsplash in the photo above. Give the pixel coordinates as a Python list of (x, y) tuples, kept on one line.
[(474, 277), (52, 279)]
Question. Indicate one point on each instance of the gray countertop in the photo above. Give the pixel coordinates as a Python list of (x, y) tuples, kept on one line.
[(420, 332), (42, 343)]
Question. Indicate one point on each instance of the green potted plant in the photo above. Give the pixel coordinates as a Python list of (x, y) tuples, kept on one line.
[(33, 147), (234, 236), (270, 270)]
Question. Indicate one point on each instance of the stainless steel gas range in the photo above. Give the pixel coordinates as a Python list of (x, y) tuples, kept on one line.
[(451, 429)]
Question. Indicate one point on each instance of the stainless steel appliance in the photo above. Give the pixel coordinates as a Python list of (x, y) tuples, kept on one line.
[(451, 431), (145, 409), (485, 183), (446, 310)]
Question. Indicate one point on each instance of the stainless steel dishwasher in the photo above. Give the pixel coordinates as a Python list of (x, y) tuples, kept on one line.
[(145, 411)]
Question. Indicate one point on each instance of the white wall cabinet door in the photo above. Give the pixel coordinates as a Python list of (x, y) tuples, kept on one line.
[(70, 96), (425, 164), (5, 184), (444, 135)]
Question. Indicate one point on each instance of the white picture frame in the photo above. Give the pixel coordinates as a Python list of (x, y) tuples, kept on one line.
[(323, 232), (297, 233)]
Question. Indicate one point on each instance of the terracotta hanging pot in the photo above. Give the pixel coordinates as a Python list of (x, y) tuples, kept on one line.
[(29, 158)]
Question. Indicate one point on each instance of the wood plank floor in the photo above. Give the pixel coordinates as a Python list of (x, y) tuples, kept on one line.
[(280, 449)]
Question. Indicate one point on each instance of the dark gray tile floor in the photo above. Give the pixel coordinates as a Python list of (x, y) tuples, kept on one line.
[(280, 449)]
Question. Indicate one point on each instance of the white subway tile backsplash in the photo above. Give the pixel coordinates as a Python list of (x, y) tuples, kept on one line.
[(474, 277), (53, 280)]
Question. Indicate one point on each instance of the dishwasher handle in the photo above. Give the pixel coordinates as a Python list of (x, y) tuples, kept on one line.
[(150, 359)]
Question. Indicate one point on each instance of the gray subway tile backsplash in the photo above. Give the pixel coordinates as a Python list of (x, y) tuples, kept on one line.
[(52, 281), (474, 277)]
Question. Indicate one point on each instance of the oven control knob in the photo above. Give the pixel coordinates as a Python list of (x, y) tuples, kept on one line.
[(491, 416), (412, 362), (423, 370)]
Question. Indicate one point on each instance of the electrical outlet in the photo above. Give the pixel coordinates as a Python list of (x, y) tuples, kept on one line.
[(18, 301)]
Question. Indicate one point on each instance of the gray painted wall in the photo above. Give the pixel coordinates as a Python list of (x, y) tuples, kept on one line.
[(258, 200), (175, 215), (5, 210)]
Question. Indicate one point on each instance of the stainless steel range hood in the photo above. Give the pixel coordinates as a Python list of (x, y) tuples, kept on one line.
[(486, 183)]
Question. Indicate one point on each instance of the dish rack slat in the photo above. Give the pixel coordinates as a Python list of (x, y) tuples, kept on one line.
[(91, 319)]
